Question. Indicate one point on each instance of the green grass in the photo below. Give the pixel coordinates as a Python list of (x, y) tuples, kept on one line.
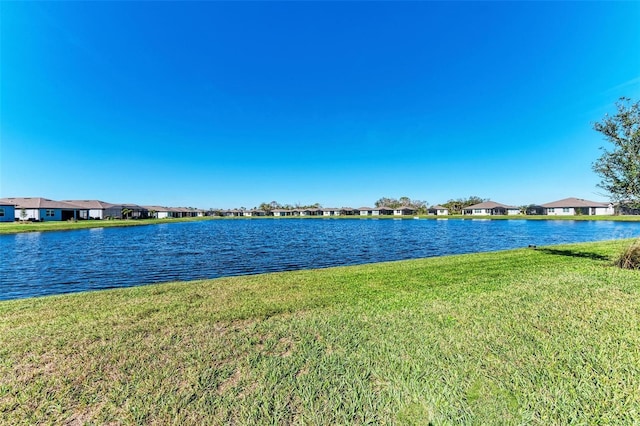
[(19, 227), (545, 336)]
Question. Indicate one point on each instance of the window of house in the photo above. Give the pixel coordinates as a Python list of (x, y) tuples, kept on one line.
[(1, 212), (477, 211), (565, 210), (551, 210), (50, 213)]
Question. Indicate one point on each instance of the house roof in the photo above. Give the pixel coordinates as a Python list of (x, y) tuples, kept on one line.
[(439, 207), (157, 208), (40, 203), (93, 204), (574, 202), (404, 208), (489, 205), (365, 208)]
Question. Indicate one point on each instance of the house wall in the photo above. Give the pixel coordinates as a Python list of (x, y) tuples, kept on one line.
[(559, 211), (8, 213), (478, 212), (442, 212), (513, 212), (604, 210), (163, 215), (364, 213), (49, 215)]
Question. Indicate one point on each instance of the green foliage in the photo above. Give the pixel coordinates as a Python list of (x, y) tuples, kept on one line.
[(393, 203), (455, 206), (620, 166)]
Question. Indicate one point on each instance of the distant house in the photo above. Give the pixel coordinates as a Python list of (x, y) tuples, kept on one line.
[(158, 212), (382, 211), (438, 210), (577, 206), (254, 212), (233, 213), (625, 209), (349, 211), (329, 211), (365, 211), (134, 211), (403, 211), (533, 210), (43, 209), (307, 212), (7, 212), (281, 212), (490, 208), (97, 209)]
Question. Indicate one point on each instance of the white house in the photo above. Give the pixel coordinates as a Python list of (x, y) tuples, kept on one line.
[(330, 212), (490, 208), (439, 210), (281, 212), (577, 206), (403, 211), (365, 211), (7, 212)]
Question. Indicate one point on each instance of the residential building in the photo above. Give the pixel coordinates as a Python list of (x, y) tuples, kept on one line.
[(577, 206), (490, 208)]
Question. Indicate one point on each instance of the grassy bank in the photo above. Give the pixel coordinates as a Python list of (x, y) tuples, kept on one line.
[(18, 227), (546, 336)]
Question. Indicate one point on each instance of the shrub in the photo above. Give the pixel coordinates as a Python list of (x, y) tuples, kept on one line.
[(630, 258)]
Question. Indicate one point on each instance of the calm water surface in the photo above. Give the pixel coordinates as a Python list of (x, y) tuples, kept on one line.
[(36, 264)]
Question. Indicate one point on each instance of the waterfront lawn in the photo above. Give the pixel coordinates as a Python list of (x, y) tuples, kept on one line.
[(19, 227), (544, 336)]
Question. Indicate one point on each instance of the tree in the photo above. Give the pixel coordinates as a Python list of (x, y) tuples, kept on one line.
[(456, 206), (23, 214), (392, 203), (620, 167)]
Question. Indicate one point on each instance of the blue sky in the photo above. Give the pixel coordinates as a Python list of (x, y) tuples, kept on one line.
[(230, 104)]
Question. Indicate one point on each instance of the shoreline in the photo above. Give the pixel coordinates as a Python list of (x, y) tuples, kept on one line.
[(7, 228)]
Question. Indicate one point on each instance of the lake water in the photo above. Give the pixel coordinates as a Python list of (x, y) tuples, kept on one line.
[(36, 264)]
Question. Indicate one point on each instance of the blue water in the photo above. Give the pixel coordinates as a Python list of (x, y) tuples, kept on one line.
[(36, 264)]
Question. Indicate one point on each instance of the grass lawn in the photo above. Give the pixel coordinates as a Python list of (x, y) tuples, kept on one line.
[(18, 227), (545, 336)]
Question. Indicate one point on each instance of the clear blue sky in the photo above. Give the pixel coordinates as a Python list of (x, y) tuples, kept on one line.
[(229, 104)]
